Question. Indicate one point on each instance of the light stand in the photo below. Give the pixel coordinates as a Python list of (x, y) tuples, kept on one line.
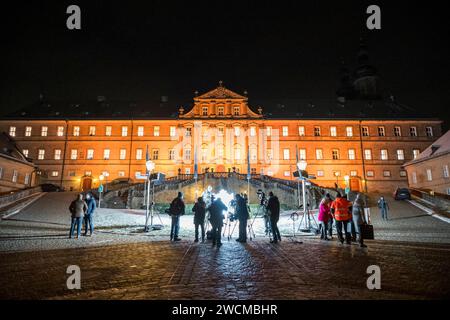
[(305, 222)]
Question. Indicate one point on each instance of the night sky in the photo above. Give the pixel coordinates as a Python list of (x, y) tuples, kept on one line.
[(141, 51)]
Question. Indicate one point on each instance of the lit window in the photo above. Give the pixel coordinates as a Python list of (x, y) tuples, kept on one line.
[(320, 173), (76, 131), (302, 154), (28, 131), (187, 171), (204, 111), (353, 173), (156, 131), (237, 153), (155, 154), (335, 154), (370, 173), (384, 154), (55, 173), (445, 171), (351, 154), (44, 131), (124, 131), (349, 131), (413, 131), (188, 132), (286, 154), (57, 154), (25, 152), (27, 179), (106, 154), (402, 173), (92, 130), (400, 154), (397, 132), (429, 131), (319, 154), (140, 131), (60, 131), (108, 131), (414, 177), (285, 131), (15, 176), (88, 173), (90, 154), (269, 131), (138, 154), (123, 154), (236, 111), (416, 153), (386, 173), (317, 131), (429, 175), (368, 154), (171, 154), (381, 132), (287, 173), (173, 131), (252, 131), (73, 154), (220, 111), (301, 131), (365, 131), (187, 154), (41, 154), (237, 131), (333, 131), (121, 173)]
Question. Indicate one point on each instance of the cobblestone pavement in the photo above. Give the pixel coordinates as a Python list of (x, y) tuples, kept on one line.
[(119, 262), (256, 270)]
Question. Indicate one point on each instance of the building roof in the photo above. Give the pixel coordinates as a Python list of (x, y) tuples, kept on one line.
[(8, 149), (439, 148), (272, 108)]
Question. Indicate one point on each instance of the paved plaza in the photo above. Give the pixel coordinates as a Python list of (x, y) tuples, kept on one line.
[(121, 262)]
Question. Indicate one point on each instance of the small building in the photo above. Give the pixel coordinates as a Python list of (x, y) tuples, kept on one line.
[(16, 171), (430, 170)]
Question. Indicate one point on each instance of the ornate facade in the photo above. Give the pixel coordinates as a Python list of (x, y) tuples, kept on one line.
[(221, 132)]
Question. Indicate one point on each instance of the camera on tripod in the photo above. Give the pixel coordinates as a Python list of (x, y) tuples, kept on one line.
[(232, 216)]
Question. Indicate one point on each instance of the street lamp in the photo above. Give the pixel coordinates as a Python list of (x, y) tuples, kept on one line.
[(150, 165), (100, 189), (301, 166), (337, 174)]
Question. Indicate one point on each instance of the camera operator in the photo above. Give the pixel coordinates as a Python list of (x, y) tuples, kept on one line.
[(242, 215), (273, 209), (216, 210)]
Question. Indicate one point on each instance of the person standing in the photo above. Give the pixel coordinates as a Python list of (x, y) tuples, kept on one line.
[(77, 209), (324, 216), (384, 207), (273, 208), (199, 210), (340, 209), (216, 217), (242, 215), (358, 218), (262, 209), (89, 216), (177, 208)]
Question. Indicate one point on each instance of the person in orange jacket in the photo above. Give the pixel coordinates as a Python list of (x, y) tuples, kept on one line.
[(341, 211)]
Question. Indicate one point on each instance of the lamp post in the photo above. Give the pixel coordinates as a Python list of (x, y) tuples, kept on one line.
[(150, 165), (337, 174), (100, 189), (301, 166)]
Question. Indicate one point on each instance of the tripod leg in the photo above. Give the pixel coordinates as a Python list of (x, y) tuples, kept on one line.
[(301, 221)]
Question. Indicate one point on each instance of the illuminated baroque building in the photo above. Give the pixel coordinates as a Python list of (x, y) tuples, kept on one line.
[(366, 140)]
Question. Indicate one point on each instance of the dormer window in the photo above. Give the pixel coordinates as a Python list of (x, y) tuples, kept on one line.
[(236, 111), (220, 111), (205, 111)]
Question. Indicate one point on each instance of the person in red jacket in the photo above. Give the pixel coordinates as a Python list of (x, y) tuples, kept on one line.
[(341, 211), (324, 216)]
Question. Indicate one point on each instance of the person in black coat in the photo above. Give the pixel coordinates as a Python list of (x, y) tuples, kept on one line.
[(199, 210), (177, 209), (273, 208), (216, 210), (242, 215)]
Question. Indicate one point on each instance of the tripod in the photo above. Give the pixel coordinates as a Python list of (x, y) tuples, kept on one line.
[(306, 220), (230, 228), (259, 212)]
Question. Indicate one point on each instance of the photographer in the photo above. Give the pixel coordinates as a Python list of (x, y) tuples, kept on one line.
[(273, 209), (262, 209), (176, 210), (242, 215), (216, 210), (199, 210)]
